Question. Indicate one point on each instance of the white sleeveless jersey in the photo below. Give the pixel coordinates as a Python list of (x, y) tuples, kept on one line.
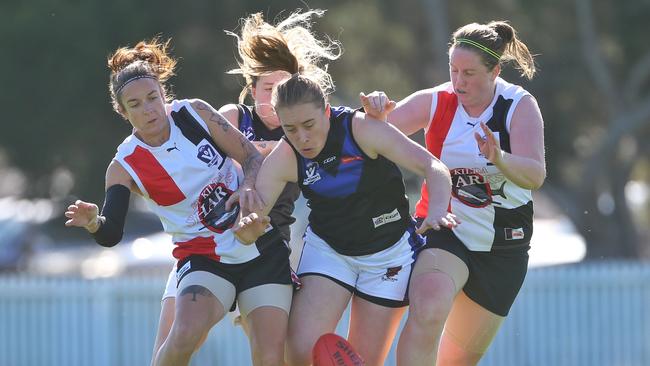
[(494, 211), (182, 180)]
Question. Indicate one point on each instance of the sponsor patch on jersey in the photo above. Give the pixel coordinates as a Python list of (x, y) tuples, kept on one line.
[(209, 155), (386, 218), (211, 207), (514, 234), (181, 271), (470, 187), (311, 174)]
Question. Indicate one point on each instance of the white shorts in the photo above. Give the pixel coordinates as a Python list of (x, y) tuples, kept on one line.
[(381, 278)]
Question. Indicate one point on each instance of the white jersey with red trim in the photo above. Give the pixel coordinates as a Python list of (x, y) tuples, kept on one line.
[(183, 181), (494, 211)]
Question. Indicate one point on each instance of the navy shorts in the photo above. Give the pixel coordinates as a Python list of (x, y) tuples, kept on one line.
[(495, 277)]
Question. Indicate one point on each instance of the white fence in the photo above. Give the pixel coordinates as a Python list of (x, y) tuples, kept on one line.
[(587, 314)]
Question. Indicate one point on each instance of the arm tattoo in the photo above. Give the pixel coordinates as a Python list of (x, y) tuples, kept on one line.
[(252, 164), (215, 117), (194, 290), (253, 159)]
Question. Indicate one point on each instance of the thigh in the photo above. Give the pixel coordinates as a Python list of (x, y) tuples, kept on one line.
[(203, 299), (268, 327), (373, 328), (315, 310), (441, 261), (469, 330), (269, 295), (213, 277)]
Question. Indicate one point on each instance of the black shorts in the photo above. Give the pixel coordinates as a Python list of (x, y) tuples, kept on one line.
[(495, 277), (271, 267)]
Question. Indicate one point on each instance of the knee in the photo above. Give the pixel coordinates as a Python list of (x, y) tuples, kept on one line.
[(268, 352), (269, 358), (299, 351), (430, 315), (186, 337)]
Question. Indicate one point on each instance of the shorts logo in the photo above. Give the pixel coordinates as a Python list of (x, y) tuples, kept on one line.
[(391, 274), (312, 175), (514, 234), (209, 155), (181, 271), (386, 218)]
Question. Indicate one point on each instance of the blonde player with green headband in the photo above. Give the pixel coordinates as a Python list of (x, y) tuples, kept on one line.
[(490, 134)]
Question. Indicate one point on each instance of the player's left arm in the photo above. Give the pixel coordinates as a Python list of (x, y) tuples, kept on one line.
[(386, 140), (525, 165)]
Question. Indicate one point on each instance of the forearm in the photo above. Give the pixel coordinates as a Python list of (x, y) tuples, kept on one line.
[(525, 172), (438, 187), (107, 229), (251, 166)]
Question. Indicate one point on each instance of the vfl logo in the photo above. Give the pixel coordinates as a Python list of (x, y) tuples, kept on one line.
[(312, 175), (209, 155), (391, 274), (249, 134)]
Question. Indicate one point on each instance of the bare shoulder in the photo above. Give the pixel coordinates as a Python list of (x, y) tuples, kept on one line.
[(282, 161), (527, 112), (231, 113), (368, 132), (209, 114)]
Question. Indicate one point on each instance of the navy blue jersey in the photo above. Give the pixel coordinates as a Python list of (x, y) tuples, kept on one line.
[(358, 204), (254, 129)]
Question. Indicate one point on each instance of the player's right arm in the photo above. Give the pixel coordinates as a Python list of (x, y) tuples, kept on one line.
[(108, 227), (279, 168), (409, 115)]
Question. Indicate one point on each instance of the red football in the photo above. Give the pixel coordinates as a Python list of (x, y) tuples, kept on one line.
[(333, 350)]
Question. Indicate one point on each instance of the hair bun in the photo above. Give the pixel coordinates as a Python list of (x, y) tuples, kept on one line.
[(504, 30)]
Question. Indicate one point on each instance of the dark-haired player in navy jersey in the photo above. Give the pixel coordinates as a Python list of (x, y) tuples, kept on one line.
[(360, 243)]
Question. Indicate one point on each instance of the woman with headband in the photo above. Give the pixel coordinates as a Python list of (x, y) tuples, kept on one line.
[(179, 158), (490, 134)]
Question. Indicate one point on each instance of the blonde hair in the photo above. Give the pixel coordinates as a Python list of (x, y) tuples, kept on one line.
[(287, 46), (502, 44), (148, 59)]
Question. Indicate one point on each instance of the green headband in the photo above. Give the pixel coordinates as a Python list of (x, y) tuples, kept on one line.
[(479, 46)]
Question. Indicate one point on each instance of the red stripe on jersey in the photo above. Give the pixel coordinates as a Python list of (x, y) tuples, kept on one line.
[(197, 246), (435, 138), (160, 187)]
